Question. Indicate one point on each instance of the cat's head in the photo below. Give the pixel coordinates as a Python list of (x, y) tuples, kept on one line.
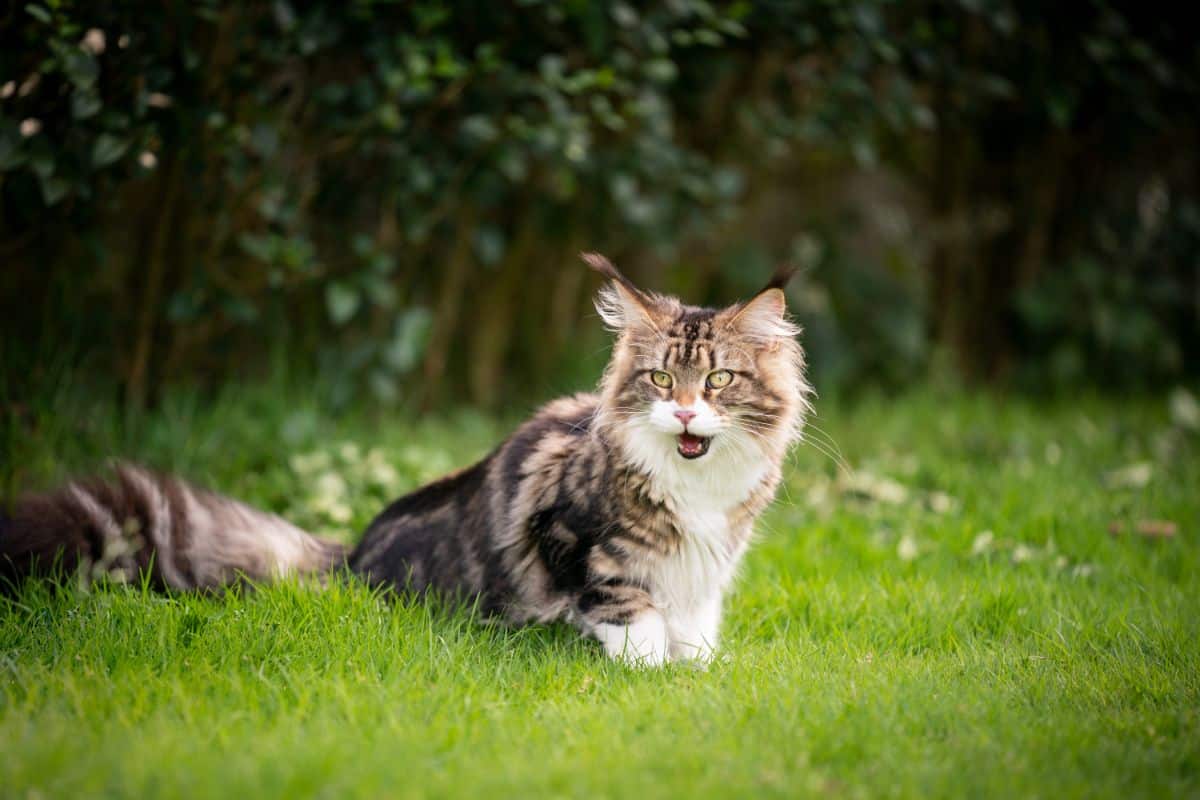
[(696, 386)]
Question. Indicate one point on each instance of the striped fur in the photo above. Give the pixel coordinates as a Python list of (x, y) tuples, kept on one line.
[(139, 522), (625, 512), (589, 513)]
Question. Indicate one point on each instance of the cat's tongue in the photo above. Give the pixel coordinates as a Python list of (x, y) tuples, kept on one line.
[(692, 446)]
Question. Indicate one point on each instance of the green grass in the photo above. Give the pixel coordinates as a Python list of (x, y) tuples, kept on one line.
[(880, 641)]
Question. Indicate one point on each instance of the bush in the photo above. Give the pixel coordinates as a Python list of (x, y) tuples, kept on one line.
[(396, 192)]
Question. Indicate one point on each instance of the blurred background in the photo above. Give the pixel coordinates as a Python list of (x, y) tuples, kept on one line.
[(392, 196)]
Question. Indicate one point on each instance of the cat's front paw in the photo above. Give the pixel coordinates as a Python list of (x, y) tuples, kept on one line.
[(699, 653), (642, 643)]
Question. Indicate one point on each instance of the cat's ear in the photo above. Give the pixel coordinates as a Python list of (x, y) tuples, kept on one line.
[(764, 316), (621, 304)]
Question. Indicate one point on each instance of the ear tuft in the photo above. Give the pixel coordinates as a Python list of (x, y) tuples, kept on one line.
[(603, 266), (612, 308), (783, 274), (764, 316), (620, 304)]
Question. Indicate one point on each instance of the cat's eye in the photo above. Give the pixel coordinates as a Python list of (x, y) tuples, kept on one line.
[(661, 379), (719, 379)]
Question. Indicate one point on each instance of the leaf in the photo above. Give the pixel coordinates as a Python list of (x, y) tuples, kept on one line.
[(662, 70), (259, 247), (42, 162), (409, 340), (54, 189), (38, 13), (85, 104), (342, 301), (11, 156), (108, 148), (390, 117), (383, 386), (489, 244), (81, 68), (380, 291)]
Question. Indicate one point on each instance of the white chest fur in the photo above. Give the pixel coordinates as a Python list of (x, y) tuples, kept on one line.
[(702, 496), (698, 572), (688, 583)]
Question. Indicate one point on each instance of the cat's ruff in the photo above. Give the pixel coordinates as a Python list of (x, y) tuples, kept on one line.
[(625, 513)]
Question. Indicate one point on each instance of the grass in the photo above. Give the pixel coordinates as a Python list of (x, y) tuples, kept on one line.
[(954, 619)]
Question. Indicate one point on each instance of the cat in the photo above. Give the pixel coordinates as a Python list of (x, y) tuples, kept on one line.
[(624, 513)]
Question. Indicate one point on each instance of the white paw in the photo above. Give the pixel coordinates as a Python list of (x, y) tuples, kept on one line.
[(694, 634), (642, 643), (701, 652)]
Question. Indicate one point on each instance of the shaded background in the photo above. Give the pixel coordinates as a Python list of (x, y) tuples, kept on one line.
[(392, 195)]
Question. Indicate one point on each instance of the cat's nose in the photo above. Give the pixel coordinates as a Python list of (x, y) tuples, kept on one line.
[(685, 416)]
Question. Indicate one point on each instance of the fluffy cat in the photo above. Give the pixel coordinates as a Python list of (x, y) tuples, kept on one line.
[(624, 513)]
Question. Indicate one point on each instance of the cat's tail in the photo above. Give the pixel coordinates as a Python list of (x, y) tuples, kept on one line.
[(141, 523)]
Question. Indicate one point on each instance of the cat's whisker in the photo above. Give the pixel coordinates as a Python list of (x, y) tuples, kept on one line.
[(831, 449), (817, 444), (845, 467), (811, 424)]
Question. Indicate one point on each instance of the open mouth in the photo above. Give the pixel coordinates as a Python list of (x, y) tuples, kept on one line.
[(691, 446)]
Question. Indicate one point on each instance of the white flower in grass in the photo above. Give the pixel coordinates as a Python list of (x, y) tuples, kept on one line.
[(876, 488), (8, 90), (329, 498), (1022, 553), (30, 126), (907, 548), (310, 463), (380, 472), (330, 486), (1185, 410), (983, 543), (1133, 476), (941, 503), (148, 160), (339, 512)]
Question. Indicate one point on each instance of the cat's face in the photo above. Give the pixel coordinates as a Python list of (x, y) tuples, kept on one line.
[(700, 385)]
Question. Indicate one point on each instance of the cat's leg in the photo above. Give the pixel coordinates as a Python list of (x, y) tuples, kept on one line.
[(624, 619), (642, 641), (693, 632)]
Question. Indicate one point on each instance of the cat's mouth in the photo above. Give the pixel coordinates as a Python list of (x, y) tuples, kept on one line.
[(692, 446)]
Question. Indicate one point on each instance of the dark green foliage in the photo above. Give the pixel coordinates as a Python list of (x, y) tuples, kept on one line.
[(396, 192)]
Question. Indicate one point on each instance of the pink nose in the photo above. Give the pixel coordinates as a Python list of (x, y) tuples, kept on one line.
[(685, 416)]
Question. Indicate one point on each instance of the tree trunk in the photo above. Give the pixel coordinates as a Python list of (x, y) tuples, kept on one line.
[(445, 319), (494, 325), (150, 274)]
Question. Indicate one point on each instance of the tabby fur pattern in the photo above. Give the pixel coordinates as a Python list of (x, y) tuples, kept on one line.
[(625, 512)]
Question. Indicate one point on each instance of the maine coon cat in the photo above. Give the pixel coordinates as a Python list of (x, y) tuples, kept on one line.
[(624, 513)]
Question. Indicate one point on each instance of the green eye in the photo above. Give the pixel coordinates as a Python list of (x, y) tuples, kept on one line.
[(661, 379), (719, 379)]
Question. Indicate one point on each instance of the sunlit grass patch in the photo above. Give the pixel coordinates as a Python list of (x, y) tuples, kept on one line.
[(970, 605)]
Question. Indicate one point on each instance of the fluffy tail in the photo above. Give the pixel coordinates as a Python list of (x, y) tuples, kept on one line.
[(139, 522)]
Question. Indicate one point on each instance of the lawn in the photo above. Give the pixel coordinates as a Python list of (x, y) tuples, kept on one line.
[(954, 618)]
